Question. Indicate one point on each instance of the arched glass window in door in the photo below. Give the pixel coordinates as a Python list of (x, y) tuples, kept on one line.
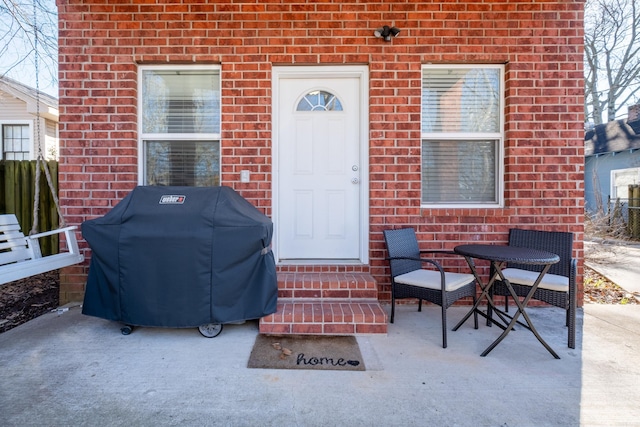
[(319, 100)]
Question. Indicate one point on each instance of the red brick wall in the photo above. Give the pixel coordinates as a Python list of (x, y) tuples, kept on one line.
[(102, 42)]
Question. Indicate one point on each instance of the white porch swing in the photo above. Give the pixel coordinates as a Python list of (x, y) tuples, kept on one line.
[(20, 255)]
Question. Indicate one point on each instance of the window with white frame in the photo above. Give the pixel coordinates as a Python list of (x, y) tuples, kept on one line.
[(180, 125), (462, 135), (16, 140), (621, 179)]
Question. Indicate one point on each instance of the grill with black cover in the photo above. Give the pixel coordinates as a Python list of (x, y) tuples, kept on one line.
[(180, 257)]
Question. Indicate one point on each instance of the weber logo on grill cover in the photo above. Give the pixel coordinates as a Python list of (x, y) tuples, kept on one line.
[(172, 199)]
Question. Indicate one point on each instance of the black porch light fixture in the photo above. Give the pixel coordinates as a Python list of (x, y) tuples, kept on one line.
[(386, 32)]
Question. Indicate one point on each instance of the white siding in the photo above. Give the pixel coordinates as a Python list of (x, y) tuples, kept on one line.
[(12, 108), (14, 111), (51, 144)]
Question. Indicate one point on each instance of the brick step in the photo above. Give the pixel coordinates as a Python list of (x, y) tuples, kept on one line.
[(325, 317), (326, 304), (327, 285)]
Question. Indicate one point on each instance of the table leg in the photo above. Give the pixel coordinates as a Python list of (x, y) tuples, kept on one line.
[(485, 294), (491, 308), (521, 310)]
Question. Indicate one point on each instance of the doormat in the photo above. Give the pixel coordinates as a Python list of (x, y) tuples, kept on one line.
[(317, 352)]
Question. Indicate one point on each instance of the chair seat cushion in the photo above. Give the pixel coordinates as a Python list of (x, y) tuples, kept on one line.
[(431, 279), (552, 282)]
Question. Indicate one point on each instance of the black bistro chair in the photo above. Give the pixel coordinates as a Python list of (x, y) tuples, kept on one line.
[(410, 280), (558, 286)]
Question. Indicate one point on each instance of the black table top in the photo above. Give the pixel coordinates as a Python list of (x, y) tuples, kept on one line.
[(507, 253)]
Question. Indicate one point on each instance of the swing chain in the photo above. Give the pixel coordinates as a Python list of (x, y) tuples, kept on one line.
[(40, 162)]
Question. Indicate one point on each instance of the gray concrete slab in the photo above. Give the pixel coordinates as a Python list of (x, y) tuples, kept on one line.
[(70, 369), (618, 262)]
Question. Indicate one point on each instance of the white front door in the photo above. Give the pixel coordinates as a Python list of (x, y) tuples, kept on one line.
[(321, 168)]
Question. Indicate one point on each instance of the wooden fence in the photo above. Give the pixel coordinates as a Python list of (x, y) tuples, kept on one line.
[(17, 191), (634, 211)]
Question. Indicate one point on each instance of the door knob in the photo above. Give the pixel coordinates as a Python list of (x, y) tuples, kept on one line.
[(355, 180)]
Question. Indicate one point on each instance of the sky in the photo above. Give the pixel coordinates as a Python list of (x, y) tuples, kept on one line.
[(26, 75), (15, 60)]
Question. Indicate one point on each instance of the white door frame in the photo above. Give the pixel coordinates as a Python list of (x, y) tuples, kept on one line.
[(360, 72)]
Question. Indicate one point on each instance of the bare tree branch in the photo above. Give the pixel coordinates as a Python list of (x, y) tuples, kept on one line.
[(612, 57), (20, 21)]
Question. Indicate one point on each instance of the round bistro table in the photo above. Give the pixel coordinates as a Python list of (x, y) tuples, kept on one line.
[(499, 255)]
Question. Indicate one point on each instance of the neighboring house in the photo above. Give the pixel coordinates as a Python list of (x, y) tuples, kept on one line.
[(19, 119), (467, 123), (612, 161)]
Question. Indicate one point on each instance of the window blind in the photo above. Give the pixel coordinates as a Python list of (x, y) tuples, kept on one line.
[(460, 100), (461, 134), (459, 171), (180, 122), (185, 163), (181, 101)]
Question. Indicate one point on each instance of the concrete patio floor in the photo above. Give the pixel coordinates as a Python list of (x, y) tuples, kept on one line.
[(69, 369)]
